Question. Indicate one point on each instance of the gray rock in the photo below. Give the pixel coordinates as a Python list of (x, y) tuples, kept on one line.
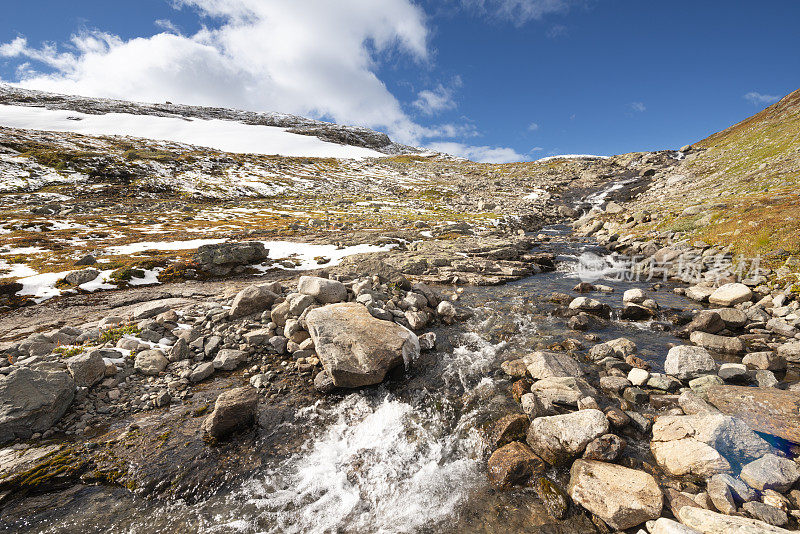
[(323, 290), (552, 364), (699, 293), (766, 513), (730, 295), (201, 372), (709, 522), (427, 341), (560, 438), (179, 351), (150, 362), (728, 345), (771, 472), (765, 360), (663, 525), (233, 410), (686, 362), (790, 351), (620, 496), (252, 299), (220, 259), (562, 390), (706, 321), (149, 309), (720, 494), (76, 278), (779, 326), (298, 302), (357, 349), (86, 369), (32, 400), (323, 382), (733, 372), (732, 317), (229, 359)]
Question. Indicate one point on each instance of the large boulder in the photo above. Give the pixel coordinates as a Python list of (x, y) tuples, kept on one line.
[(566, 390), (229, 359), (790, 351), (704, 444), (252, 299), (220, 259), (687, 362), (150, 362), (768, 410), (730, 295), (233, 410), (32, 400), (560, 438), (709, 522), (355, 348), (76, 278), (620, 496), (323, 290), (87, 369)]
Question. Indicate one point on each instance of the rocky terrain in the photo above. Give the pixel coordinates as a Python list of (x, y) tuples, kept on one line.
[(569, 345)]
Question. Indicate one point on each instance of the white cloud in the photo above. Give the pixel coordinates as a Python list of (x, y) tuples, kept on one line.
[(532, 127), (557, 30), (310, 57), (167, 25), (757, 98), (638, 106), (441, 98), (520, 11), (481, 154)]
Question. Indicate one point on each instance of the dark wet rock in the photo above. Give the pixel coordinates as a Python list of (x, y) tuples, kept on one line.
[(510, 428), (323, 382), (620, 496), (220, 259), (606, 448), (555, 499), (516, 368), (86, 369), (766, 513), (513, 463), (252, 299), (32, 401), (771, 472), (732, 317), (635, 312), (706, 321), (635, 395), (559, 438), (355, 348), (88, 259), (519, 388), (768, 410), (233, 410)]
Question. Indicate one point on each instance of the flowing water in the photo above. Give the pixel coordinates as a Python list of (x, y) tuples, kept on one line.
[(408, 456)]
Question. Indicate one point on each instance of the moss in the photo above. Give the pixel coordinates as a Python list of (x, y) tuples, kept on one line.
[(115, 334), (67, 352)]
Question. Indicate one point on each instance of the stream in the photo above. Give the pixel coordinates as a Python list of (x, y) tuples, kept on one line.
[(407, 456)]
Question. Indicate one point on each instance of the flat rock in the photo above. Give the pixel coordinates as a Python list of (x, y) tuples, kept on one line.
[(724, 344), (323, 290), (566, 390), (559, 438), (620, 496), (768, 410), (552, 364), (149, 309), (730, 295), (32, 400), (699, 293), (709, 522), (357, 349)]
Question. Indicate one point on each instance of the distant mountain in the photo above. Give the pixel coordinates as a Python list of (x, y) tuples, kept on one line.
[(95, 108)]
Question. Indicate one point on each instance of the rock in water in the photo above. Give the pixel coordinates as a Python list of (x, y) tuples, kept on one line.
[(620, 496), (512, 464), (32, 401), (686, 362), (357, 349), (769, 410), (709, 522), (730, 295), (559, 438), (233, 410), (771, 472), (552, 364)]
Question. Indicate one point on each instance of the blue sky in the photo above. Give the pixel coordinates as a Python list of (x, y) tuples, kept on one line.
[(493, 80)]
